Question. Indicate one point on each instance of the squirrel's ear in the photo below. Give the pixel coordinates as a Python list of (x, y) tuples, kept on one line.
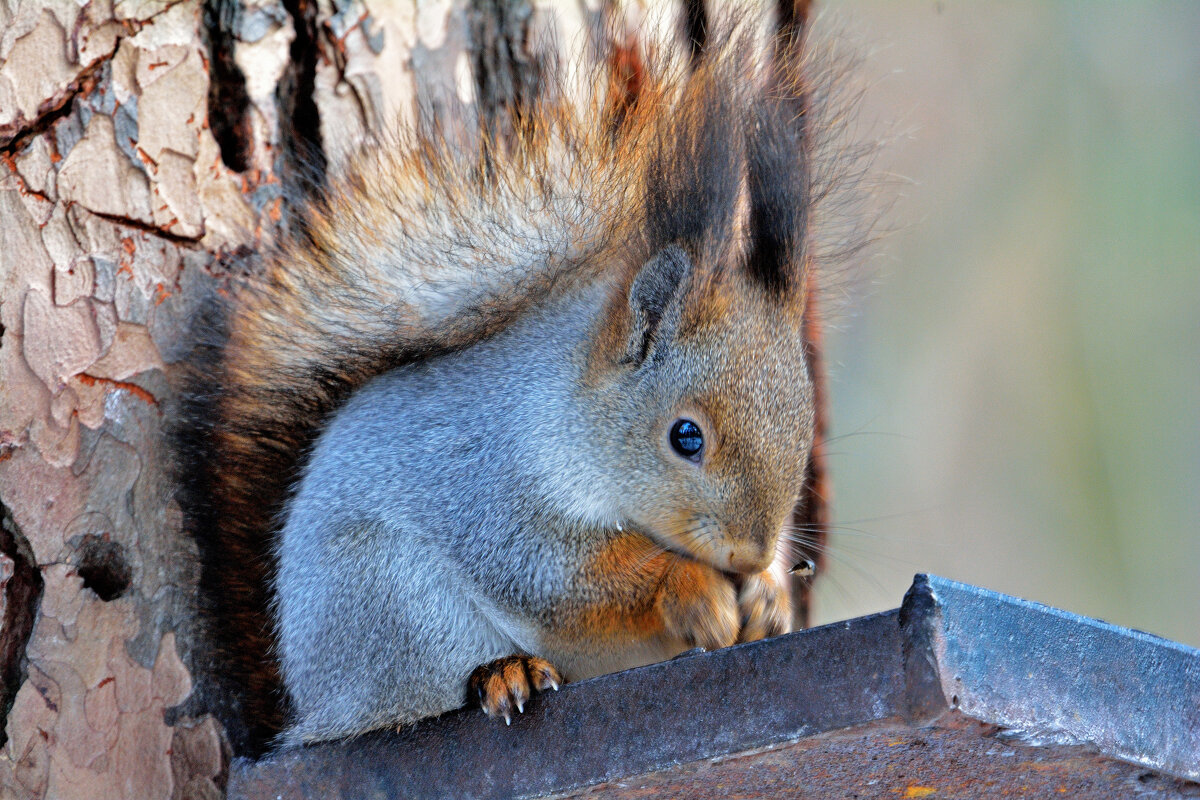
[(656, 302)]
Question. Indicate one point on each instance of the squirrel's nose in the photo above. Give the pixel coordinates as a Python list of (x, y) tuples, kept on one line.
[(747, 558)]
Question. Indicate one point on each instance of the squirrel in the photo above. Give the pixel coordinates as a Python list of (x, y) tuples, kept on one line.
[(486, 422)]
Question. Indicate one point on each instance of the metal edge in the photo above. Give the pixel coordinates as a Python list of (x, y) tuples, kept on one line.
[(921, 627), (614, 726), (1053, 675)]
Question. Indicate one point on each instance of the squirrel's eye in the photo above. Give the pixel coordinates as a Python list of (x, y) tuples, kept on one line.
[(687, 439)]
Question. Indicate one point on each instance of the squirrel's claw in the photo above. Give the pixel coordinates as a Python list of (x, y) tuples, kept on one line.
[(543, 675), (507, 683)]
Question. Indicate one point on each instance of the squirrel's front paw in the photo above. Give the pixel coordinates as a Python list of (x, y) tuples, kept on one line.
[(505, 684), (765, 606), (699, 606)]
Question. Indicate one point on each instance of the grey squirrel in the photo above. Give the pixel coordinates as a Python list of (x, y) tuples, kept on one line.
[(521, 416)]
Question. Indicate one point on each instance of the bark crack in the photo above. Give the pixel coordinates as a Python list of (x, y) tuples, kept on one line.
[(22, 593), (135, 390), (146, 227), (54, 109), (15, 135)]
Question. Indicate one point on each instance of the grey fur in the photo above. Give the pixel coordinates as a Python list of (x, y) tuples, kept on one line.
[(425, 488)]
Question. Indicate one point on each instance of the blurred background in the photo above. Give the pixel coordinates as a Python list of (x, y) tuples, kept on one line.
[(1016, 374)]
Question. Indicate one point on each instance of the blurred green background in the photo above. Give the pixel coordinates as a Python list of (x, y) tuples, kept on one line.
[(1016, 375)]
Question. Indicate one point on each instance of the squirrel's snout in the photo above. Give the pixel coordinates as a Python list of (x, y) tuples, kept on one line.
[(748, 559), (739, 557), (739, 549)]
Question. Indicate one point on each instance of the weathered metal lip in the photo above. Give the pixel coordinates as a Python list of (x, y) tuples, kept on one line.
[(1057, 676), (995, 658)]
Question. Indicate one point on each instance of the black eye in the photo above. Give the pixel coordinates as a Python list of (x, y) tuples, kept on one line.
[(687, 439)]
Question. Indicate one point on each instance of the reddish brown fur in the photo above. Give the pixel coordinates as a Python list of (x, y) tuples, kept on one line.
[(640, 592)]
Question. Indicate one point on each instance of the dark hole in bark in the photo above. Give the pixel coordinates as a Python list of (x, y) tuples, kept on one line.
[(101, 564), (695, 26), (303, 163), (21, 585), (507, 74), (228, 101)]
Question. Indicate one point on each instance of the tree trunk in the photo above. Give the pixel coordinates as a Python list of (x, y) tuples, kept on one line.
[(143, 145)]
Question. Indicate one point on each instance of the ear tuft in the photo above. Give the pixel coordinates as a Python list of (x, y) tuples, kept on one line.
[(778, 186), (655, 302)]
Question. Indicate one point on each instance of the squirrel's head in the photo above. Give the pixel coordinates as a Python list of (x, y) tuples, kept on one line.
[(707, 409), (699, 364)]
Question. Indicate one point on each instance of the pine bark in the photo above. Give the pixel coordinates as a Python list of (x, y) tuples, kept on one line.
[(144, 144)]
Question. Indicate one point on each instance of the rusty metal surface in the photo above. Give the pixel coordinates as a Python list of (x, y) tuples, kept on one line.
[(644, 719), (956, 758), (952, 652), (1061, 677)]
